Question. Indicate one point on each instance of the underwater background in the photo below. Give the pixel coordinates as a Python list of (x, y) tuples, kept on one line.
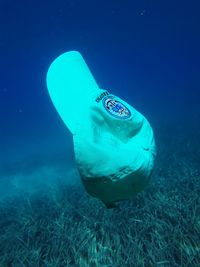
[(148, 54)]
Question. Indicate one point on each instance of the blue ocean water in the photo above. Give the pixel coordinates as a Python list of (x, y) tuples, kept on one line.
[(147, 53)]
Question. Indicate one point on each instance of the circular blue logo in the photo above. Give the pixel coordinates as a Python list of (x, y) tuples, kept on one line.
[(116, 108)]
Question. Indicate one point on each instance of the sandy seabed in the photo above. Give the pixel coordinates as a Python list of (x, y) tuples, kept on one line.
[(48, 220)]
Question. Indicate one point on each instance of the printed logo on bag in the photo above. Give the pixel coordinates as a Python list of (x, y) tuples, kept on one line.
[(116, 108)]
